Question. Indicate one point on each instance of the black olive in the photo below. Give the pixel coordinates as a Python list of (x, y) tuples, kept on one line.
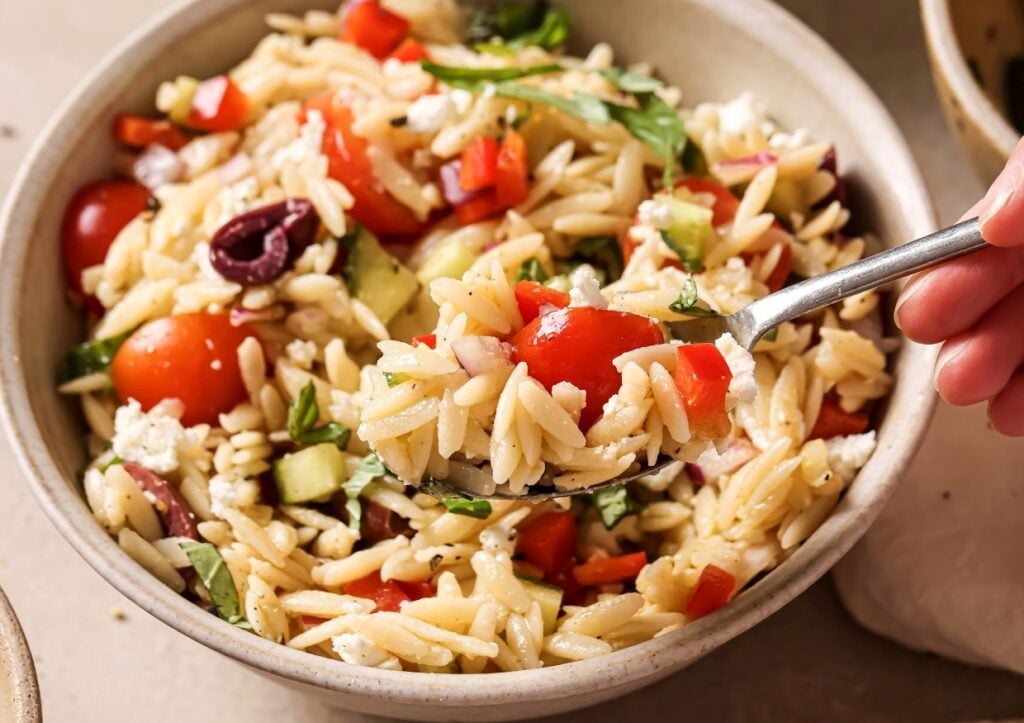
[(256, 247)]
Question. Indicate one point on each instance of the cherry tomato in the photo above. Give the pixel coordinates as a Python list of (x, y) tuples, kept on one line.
[(410, 51), (531, 297), (713, 590), (426, 340), (374, 29), (416, 590), (777, 278), (389, 595), (549, 542), (348, 163), (834, 421), (726, 204), (218, 105), (512, 179), (703, 377), (578, 345), (92, 220), (191, 357), (479, 164), (609, 570)]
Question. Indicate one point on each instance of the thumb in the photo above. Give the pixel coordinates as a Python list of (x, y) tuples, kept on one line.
[(1002, 209)]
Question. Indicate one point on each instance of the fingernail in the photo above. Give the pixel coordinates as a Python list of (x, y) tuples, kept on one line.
[(949, 353), (909, 291), (997, 205)]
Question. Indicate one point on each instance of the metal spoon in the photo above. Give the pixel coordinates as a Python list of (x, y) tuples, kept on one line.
[(752, 322)]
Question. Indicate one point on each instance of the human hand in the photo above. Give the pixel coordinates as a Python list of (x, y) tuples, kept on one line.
[(975, 306)]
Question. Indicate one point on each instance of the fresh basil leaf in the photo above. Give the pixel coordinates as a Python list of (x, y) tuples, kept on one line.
[(614, 504), (693, 160), (90, 357), (393, 379), (655, 123), (531, 270), (112, 463), (772, 334), (333, 432), (304, 412), (688, 300), (522, 118), (370, 468), (480, 509), (581, 105), (552, 33), (212, 570), (691, 264), (505, 21), (630, 82), (471, 78), (603, 253)]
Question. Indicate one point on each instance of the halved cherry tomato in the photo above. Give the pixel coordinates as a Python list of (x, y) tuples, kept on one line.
[(610, 569), (389, 595), (92, 220), (139, 132), (218, 105), (512, 179), (190, 357), (578, 345), (416, 590), (479, 164), (348, 163), (703, 376), (549, 542), (531, 297), (374, 29), (777, 278), (713, 590), (573, 593), (426, 340), (311, 621), (726, 204), (834, 421), (410, 51), (482, 206)]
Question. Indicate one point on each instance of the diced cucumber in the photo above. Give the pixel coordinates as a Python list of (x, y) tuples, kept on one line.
[(395, 378), (310, 474), (690, 230), (185, 88), (452, 258), (377, 278), (560, 282), (548, 597)]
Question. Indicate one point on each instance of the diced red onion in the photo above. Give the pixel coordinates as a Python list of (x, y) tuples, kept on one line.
[(713, 465), (239, 316), (158, 166), (838, 192), (740, 170), (761, 158), (236, 168), (696, 474), (453, 191), (479, 354)]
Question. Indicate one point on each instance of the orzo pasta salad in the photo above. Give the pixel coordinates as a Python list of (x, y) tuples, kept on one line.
[(404, 245)]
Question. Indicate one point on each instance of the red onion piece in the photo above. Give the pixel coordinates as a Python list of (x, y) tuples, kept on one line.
[(235, 168), (177, 515), (696, 474), (239, 316), (838, 192), (453, 191), (479, 354), (157, 166), (761, 158)]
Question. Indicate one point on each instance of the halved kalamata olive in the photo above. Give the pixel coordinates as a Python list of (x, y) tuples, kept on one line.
[(177, 515), (255, 248)]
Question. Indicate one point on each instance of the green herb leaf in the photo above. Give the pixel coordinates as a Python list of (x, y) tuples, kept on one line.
[(333, 432), (395, 378), (688, 300), (691, 264), (505, 21), (522, 118), (304, 412), (630, 82), (772, 334), (471, 78), (212, 570), (90, 357), (370, 468), (531, 270), (655, 123), (114, 462), (552, 33), (582, 105), (603, 253), (693, 160), (614, 504), (480, 509)]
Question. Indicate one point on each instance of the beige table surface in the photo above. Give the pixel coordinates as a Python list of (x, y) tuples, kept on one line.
[(808, 662)]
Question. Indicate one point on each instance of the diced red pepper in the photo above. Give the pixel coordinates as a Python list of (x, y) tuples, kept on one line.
[(777, 278), (139, 132), (409, 51), (426, 340), (512, 179), (713, 590), (610, 569), (479, 208), (531, 297), (549, 542), (218, 105), (389, 595), (479, 164), (573, 593), (578, 345), (373, 28), (417, 590), (834, 421), (726, 204), (311, 621), (702, 377)]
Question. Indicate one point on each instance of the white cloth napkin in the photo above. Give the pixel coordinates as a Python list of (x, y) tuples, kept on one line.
[(942, 569)]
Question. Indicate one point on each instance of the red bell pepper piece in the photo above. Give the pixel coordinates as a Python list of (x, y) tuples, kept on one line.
[(373, 28), (610, 569), (482, 206), (426, 340), (702, 377), (531, 297), (139, 132), (549, 542), (834, 421), (409, 51), (218, 105), (777, 278), (479, 164), (713, 590), (512, 176), (578, 345), (388, 596)]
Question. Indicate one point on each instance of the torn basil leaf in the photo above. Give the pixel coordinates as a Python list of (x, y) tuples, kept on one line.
[(506, 21), (581, 105), (471, 78), (657, 124), (552, 33), (614, 504), (688, 300), (90, 357), (212, 570), (772, 334), (304, 412), (112, 463), (532, 270), (603, 253), (370, 468), (393, 379), (631, 82), (480, 509)]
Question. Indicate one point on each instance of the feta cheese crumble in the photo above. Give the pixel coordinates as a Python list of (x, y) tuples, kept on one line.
[(848, 454), (655, 213), (226, 492), (356, 649), (151, 440), (429, 113), (742, 386), (585, 289), (307, 145)]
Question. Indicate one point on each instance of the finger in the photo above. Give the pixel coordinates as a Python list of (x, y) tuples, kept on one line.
[(950, 299), (1002, 214), (1006, 410), (975, 365)]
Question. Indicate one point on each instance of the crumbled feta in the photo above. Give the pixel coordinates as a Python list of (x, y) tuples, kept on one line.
[(429, 113), (463, 100), (150, 440), (848, 454), (742, 386), (307, 145), (236, 199), (740, 113), (655, 213), (789, 141), (356, 649), (586, 289), (226, 492)]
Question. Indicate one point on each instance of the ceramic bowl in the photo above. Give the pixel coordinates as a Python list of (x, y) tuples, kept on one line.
[(19, 694), (970, 44), (713, 50)]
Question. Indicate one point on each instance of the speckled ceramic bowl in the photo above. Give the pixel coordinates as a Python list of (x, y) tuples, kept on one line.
[(970, 43), (19, 694), (713, 50)]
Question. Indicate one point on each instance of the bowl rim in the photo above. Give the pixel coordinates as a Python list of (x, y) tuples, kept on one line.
[(619, 670), (16, 667), (945, 49)]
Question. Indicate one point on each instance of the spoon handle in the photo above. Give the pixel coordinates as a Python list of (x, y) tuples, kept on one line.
[(869, 273)]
